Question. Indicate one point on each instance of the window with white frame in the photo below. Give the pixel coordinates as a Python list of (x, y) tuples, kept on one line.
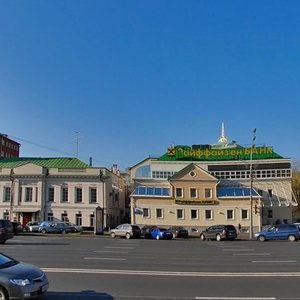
[(207, 193), (179, 193), (180, 214), (193, 192), (64, 217), (28, 194), (146, 213), (92, 219), (245, 214), (230, 214), (7, 194), (208, 214), (65, 194), (78, 194), (93, 195), (159, 213), (194, 214), (78, 220), (51, 194), (50, 216), (6, 215)]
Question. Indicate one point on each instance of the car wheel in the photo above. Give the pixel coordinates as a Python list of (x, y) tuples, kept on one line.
[(157, 237), (63, 232), (113, 235), (291, 238), (3, 294), (44, 231), (127, 235), (202, 237), (218, 237), (261, 238)]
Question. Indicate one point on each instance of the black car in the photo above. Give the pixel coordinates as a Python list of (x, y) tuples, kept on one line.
[(6, 230), (179, 232), (219, 232)]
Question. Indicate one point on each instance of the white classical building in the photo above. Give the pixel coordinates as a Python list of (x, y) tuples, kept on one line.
[(60, 189)]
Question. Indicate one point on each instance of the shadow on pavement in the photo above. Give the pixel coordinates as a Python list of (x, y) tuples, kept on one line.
[(83, 295)]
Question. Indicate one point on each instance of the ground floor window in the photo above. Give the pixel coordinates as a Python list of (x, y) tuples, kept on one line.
[(180, 214), (194, 214), (78, 219), (245, 214), (92, 218), (50, 217), (208, 214), (64, 217), (146, 213), (159, 213), (230, 214)]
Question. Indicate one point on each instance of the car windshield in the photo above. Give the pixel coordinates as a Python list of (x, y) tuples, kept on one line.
[(6, 261)]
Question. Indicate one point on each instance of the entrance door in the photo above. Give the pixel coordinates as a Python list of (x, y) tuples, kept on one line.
[(27, 217)]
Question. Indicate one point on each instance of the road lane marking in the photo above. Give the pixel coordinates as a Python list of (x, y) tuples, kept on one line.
[(235, 249), (235, 298), (103, 251), (251, 254), (104, 258), (274, 261), (119, 247), (169, 273)]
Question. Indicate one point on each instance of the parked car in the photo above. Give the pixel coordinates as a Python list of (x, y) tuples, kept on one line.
[(77, 228), (6, 230), (179, 232), (219, 232), (18, 227), (126, 230), (146, 231), (290, 232), (161, 233), (19, 280), (58, 227), (32, 226)]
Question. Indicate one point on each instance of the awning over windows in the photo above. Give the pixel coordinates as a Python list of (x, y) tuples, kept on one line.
[(238, 192), (151, 191)]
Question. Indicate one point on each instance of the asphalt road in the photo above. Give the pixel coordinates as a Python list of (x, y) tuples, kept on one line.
[(100, 267)]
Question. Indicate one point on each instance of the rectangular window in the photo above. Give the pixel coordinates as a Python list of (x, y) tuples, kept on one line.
[(51, 194), (92, 218), (180, 214), (207, 193), (78, 219), (146, 213), (194, 214), (208, 214), (78, 195), (193, 193), (28, 194), (230, 214), (6, 215), (64, 217), (65, 195), (270, 213), (93, 195), (50, 217), (7, 194), (245, 214), (179, 193), (159, 213)]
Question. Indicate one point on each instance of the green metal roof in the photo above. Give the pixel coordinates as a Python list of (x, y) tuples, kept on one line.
[(52, 162)]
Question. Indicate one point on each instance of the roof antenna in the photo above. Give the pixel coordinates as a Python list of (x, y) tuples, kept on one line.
[(77, 142)]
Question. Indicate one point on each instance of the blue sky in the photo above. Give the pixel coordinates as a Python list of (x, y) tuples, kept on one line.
[(133, 77)]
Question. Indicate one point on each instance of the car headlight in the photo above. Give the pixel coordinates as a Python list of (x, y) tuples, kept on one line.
[(20, 282)]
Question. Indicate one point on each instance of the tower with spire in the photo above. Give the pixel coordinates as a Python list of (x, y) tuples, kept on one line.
[(223, 141)]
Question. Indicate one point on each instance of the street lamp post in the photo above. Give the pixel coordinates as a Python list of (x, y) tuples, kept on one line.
[(12, 179), (251, 182)]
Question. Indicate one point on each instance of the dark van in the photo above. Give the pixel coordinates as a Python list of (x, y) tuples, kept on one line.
[(6, 230)]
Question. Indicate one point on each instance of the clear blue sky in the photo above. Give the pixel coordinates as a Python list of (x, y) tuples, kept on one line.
[(134, 77)]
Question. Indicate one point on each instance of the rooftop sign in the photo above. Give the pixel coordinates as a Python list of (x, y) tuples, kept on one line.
[(207, 153)]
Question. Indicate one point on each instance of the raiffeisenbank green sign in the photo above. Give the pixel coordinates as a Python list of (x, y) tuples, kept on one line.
[(207, 153)]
